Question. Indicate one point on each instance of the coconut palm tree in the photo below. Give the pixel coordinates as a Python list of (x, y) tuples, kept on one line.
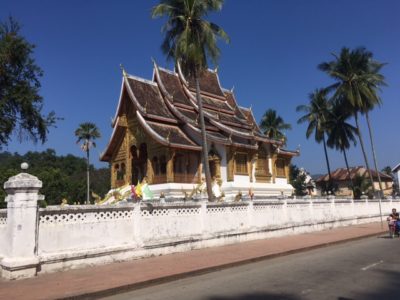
[(316, 115), (341, 133), (376, 81), (86, 133), (273, 125), (357, 79), (191, 41)]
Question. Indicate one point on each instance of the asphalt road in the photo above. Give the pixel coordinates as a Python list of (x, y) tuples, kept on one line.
[(365, 269)]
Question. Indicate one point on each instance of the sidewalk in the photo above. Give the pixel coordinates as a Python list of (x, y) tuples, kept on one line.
[(112, 278)]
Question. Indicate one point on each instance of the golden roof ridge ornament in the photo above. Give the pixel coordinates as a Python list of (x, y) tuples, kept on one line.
[(168, 135), (123, 70), (232, 89)]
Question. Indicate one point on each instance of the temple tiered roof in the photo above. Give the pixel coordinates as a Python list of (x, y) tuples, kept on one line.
[(167, 110)]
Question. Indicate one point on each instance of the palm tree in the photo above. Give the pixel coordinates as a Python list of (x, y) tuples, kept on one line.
[(376, 81), (341, 133), (274, 125), (191, 41), (86, 133), (357, 79), (316, 115)]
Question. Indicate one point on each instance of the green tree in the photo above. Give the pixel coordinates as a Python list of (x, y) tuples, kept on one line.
[(191, 41), (357, 80), (341, 133), (87, 133), (273, 125), (298, 180), (361, 186), (375, 81), (20, 102), (316, 115), (62, 176), (387, 170)]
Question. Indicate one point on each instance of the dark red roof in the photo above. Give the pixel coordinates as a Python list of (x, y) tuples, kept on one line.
[(209, 84), (341, 174), (167, 109)]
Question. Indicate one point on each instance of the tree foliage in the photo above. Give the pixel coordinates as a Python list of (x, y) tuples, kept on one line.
[(298, 180), (62, 176), (191, 41), (273, 125), (189, 38), (20, 102)]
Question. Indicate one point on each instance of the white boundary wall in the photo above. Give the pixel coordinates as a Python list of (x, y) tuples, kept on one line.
[(78, 236)]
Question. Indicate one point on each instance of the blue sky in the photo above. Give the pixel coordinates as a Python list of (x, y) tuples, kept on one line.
[(272, 61)]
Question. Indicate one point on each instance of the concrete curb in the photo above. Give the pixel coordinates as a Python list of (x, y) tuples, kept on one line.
[(169, 278)]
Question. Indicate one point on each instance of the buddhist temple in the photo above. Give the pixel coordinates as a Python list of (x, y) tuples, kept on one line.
[(156, 135)]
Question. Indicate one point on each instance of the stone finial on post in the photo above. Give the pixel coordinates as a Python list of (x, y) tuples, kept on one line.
[(20, 259)]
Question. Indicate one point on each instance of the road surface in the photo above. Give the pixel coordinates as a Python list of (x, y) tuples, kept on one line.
[(364, 269)]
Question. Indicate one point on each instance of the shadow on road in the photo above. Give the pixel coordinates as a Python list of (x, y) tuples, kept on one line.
[(389, 290), (257, 296)]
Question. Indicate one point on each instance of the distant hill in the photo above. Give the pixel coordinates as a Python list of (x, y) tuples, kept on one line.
[(62, 176), (315, 176)]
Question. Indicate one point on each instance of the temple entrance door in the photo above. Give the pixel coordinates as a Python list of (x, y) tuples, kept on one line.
[(213, 168), (139, 163)]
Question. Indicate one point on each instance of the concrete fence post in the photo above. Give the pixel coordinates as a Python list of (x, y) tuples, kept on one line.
[(21, 258)]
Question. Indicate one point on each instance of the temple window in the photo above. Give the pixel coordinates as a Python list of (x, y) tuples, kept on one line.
[(116, 170), (121, 172), (262, 164), (241, 164), (280, 168)]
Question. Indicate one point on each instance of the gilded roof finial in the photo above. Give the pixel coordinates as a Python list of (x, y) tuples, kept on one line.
[(154, 62), (169, 133), (216, 69), (232, 89), (123, 70), (251, 107)]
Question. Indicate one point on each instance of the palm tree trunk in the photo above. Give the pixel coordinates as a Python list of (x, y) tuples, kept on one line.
[(369, 171), (327, 164), (204, 140), (363, 151), (87, 178), (373, 152), (348, 170)]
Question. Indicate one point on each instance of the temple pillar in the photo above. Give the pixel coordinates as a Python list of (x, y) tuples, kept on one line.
[(230, 163), (170, 165), (273, 170), (287, 162), (149, 170), (128, 160), (253, 167), (113, 175)]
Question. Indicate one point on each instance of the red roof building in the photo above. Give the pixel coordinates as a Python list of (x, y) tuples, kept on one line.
[(340, 178)]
